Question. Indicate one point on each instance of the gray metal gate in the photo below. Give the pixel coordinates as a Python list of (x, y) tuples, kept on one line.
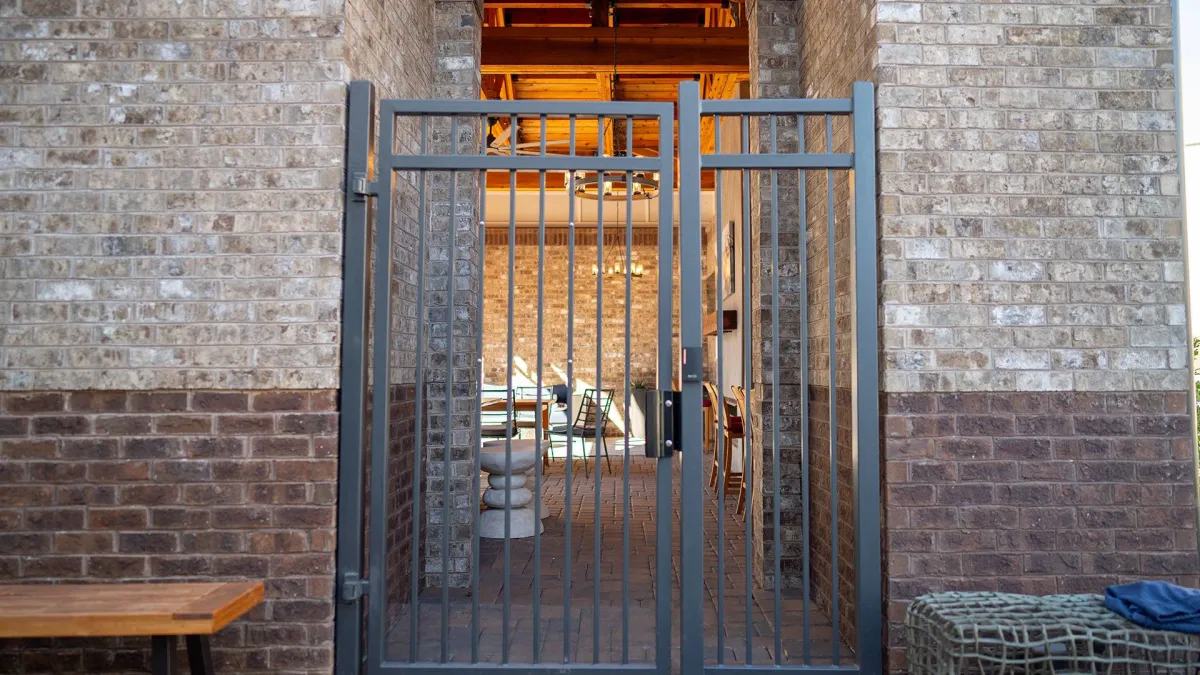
[(450, 345)]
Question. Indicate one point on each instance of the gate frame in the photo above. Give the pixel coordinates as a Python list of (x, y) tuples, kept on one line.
[(864, 356), (352, 652), (356, 650)]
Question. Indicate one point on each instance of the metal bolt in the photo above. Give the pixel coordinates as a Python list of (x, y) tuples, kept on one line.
[(668, 443), (667, 403)]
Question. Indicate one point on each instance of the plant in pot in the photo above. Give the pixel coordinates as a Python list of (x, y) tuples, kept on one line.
[(637, 404)]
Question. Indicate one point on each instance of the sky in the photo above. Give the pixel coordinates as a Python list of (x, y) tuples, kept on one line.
[(1189, 73)]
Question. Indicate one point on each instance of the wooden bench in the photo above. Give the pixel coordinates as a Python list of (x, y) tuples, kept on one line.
[(160, 611)]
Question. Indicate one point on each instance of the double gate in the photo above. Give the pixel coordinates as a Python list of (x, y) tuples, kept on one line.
[(685, 557)]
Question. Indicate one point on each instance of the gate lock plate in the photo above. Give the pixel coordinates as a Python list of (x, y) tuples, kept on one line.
[(663, 421)]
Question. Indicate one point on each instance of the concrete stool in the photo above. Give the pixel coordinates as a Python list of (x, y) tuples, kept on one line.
[(523, 519)]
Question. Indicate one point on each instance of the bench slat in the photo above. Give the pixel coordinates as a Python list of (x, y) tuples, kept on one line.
[(88, 610)]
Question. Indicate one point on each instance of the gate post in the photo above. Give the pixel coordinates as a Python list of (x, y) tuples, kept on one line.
[(865, 381), (691, 648), (360, 148)]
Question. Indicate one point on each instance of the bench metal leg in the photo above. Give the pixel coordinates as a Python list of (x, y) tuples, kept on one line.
[(199, 655), (162, 655)]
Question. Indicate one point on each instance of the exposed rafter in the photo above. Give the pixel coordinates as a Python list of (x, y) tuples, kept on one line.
[(645, 50), (528, 180), (621, 4)]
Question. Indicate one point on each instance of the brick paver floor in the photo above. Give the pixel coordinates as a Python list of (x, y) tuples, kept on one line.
[(614, 641)]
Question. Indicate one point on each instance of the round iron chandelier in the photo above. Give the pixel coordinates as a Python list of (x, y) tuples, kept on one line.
[(613, 186)]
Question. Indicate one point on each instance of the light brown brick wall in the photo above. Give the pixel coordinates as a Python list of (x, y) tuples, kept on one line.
[(1030, 203), (170, 194)]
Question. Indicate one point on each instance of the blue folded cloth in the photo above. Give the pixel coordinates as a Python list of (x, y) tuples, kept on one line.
[(1156, 605)]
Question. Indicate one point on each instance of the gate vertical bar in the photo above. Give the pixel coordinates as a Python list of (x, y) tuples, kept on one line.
[(598, 399), (539, 435), (748, 377), (666, 357), (419, 411), (360, 147), (446, 505), (477, 438), (568, 511), (381, 376), (718, 405), (776, 392), (805, 496), (628, 345), (865, 378), (692, 510), (835, 594)]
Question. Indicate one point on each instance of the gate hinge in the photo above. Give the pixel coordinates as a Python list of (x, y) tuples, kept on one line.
[(353, 588), (361, 187)]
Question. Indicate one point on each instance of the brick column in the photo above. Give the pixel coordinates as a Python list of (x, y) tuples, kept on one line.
[(774, 73), (453, 339)]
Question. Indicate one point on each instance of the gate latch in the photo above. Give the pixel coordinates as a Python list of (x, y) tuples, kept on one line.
[(353, 588), (662, 422)]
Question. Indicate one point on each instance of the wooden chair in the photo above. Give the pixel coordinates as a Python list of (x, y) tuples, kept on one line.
[(739, 395), (733, 431), (710, 415)]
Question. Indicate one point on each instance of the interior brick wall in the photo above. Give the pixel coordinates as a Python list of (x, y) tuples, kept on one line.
[(175, 486), (643, 327)]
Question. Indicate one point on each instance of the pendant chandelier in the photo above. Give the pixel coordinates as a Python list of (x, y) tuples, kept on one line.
[(614, 186), (617, 269)]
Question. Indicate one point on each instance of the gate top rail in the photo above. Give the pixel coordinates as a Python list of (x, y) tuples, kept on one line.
[(776, 106), (458, 108)]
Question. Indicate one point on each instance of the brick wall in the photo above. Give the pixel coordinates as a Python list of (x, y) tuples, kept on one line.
[(1032, 277), (170, 194), (643, 332), (175, 485), (172, 225), (1030, 198), (391, 44), (1037, 492), (838, 48), (821, 507)]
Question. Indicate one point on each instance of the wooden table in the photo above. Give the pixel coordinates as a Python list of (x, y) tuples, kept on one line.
[(520, 405), (160, 611)]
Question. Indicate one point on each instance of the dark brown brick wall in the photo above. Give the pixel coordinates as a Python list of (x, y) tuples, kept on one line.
[(175, 485), (401, 460), (821, 514), (1036, 493)]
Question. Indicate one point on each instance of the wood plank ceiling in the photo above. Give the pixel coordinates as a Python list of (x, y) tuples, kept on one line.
[(600, 50)]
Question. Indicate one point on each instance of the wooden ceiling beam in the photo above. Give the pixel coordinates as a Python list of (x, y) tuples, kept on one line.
[(528, 180), (645, 50), (621, 4), (600, 14)]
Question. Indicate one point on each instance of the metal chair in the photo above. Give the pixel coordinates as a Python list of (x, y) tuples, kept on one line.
[(592, 416)]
